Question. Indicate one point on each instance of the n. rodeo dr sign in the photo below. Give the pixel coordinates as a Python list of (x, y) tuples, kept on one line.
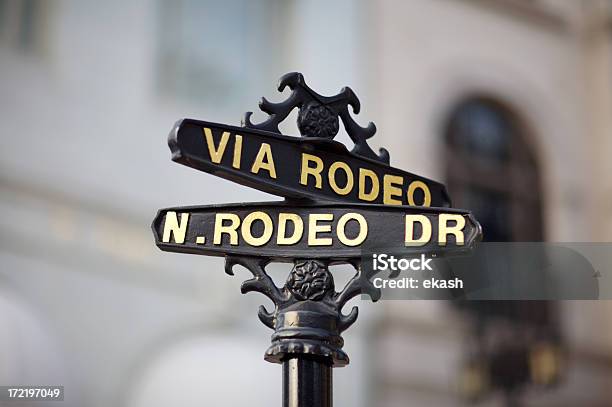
[(332, 231)]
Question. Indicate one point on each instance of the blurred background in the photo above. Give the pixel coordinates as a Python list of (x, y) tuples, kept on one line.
[(509, 102)]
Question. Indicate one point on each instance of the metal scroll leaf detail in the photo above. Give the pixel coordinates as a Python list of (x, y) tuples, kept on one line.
[(318, 115), (308, 314)]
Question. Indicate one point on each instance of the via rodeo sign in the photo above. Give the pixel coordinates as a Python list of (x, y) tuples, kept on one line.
[(337, 202)]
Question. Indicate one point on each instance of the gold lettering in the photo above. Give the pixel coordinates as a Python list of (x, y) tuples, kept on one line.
[(265, 151), (307, 170), (230, 230), (445, 229), (370, 196), (391, 190), (173, 228), (216, 154), (247, 233), (237, 151), (331, 176), (314, 228), (363, 229), (409, 239), (414, 185), (298, 229)]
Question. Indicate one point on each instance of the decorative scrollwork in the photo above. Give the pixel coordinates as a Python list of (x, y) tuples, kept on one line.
[(318, 115), (308, 314)]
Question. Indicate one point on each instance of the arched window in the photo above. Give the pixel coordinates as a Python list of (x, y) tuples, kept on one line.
[(493, 171)]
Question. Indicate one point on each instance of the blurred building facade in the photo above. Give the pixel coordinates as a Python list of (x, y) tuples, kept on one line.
[(89, 89), (524, 79)]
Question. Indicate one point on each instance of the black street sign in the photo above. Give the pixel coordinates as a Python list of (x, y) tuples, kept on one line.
[(286, 232), (298, 167), (340, 205)]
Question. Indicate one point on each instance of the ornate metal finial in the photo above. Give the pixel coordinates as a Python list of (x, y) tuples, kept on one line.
[(308, 316), (318, 115)]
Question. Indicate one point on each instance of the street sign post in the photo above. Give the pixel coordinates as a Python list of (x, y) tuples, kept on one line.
[(338, 203)]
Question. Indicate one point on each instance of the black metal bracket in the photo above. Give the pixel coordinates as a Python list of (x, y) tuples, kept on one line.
[(308, 318), (318, 115)]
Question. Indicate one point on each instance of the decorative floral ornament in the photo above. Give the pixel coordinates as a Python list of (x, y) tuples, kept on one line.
[(318, 116), (316, 120), (310, 280)]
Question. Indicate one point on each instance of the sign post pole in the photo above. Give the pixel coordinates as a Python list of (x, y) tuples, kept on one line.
[(307, 382), (307, 324), (338, 205)]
